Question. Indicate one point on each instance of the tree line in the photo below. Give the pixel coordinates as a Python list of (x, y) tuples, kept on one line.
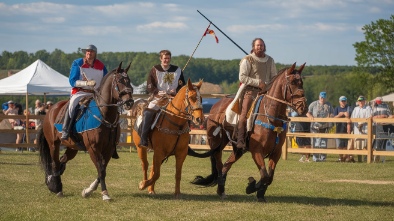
[(335, 80)]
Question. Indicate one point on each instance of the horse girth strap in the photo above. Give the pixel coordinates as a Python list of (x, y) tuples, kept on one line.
[(183, 128)]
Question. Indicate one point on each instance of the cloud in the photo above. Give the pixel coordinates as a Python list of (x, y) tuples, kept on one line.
[(53, 20), (253, 28), (159, 26)]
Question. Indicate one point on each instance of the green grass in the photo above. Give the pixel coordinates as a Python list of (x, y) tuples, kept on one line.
[(300, 191)]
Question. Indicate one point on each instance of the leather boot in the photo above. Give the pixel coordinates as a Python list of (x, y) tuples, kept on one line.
[(147, 120), (241, 136), (66, 124)]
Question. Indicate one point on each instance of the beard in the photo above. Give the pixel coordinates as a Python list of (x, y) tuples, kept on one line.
[(258, 53)]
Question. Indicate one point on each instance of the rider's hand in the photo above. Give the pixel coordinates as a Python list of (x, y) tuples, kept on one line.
[(91, 83), (261, 85), (161, 93)]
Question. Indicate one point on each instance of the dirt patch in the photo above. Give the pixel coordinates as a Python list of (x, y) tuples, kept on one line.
[(380, 182)]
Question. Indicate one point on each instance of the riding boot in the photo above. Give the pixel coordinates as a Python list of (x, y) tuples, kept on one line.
[(241, 128), (69, 123), (66, 123), (147, 120)]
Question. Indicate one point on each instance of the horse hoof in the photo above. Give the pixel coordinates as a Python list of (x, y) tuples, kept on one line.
[(177, 196), (223, 196), (141, 186), (152, 193), (85, 193), (106, 197), (59, 194), (261, 200)]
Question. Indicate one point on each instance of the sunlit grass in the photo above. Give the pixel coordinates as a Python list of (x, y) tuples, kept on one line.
[(300, 191)]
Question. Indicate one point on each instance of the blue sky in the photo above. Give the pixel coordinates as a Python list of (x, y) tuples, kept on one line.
[(318, 32)]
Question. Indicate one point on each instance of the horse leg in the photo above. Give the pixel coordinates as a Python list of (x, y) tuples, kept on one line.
[(180, 157), (93, 186), (142, 154), (101, 166), (68, 155), (155, 171), (223, 170), (49, 158)]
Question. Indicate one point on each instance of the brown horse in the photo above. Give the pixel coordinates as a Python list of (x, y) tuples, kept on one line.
[(267, 135), (170, 135), (115, 91)]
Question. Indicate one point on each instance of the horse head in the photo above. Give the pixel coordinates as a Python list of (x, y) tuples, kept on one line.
[(293, 89), (121, 87), (194, 102)]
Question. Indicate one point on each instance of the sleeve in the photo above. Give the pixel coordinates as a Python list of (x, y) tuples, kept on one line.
[(181, 82), (151, 86), (75, 72), (310, 108), (105, 71), (244, 72), (336, 111)]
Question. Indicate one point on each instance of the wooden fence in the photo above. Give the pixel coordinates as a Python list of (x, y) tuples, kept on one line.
[(198, 137)]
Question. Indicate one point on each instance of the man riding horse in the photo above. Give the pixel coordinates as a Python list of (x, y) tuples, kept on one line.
[(164, 79), (255, 71)]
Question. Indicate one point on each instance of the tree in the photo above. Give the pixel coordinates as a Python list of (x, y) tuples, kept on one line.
[(376, 53)]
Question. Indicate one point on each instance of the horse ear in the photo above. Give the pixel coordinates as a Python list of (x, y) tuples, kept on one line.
[(127, 69), (189, 84), (291, 69), (119, 67), (301, 68), (199, 84)]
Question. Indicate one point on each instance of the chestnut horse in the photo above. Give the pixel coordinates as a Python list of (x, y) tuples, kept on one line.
[(170, 135), (267, 135), (115, 91)]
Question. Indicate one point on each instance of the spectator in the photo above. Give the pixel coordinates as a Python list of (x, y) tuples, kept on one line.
[(13, 110), (342, 111), (320, 109), (361, 111), (302, 142), (48, 106), (380, 110), (39, 110)]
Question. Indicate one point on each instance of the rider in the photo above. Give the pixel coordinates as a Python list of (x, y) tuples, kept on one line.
[(255, 71), (163, 79), (85, 76)]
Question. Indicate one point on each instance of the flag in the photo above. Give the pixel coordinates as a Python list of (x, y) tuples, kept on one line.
[(211, 32)]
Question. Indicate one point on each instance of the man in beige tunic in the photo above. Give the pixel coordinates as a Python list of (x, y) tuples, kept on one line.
[(255, 71)]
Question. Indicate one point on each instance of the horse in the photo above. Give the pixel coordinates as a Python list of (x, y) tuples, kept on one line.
[(265, 139), (115, 91), (170, 135)]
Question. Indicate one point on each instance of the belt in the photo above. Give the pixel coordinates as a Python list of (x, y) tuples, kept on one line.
[(248, 87)]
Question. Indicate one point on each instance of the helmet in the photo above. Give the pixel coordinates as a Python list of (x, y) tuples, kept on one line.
[(90, 47)]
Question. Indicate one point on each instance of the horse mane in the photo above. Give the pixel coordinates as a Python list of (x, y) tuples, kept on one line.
[(269, 85)]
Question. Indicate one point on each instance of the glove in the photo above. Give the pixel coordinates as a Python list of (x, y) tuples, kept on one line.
[(91, 83)]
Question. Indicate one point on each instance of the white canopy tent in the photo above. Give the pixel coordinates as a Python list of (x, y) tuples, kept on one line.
[(36, 79), (388, 98)]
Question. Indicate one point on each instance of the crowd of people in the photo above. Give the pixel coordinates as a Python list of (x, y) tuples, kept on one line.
[(321, 108), (13, 108)]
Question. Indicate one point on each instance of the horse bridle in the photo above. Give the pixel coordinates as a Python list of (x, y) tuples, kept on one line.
[(126, 90), (287, 87), (189, 108)]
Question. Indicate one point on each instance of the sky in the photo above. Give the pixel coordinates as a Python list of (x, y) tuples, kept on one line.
[(318, 32)]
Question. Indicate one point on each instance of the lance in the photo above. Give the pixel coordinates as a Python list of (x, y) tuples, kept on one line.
[(196, 48), (223, 33)]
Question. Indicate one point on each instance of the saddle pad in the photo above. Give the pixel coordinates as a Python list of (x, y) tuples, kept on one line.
[(90, 119)]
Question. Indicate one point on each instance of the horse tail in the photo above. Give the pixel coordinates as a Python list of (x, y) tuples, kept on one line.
[(191, 152), (45, 155)]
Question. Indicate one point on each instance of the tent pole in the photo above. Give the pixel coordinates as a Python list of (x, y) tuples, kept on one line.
[(27, 118)]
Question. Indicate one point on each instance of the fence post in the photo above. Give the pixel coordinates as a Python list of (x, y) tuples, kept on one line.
[(370, 140)]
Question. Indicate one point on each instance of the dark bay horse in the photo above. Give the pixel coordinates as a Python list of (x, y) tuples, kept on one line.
[(115, 91), (170, 136), (267, 135)]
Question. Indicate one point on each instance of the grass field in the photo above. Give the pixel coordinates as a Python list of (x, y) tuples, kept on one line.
[(300, 191)]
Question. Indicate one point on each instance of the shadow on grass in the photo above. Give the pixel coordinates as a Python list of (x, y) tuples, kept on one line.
[(316, 201)]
